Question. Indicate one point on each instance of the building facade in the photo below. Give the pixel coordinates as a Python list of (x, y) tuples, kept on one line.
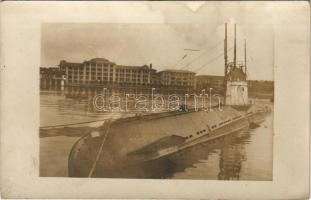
[(94, 71), (102, 71), (208, 81), (134, 75), (177, 78), (52, 77)]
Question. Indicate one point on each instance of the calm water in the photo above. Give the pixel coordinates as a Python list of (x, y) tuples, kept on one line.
[(246, 155)]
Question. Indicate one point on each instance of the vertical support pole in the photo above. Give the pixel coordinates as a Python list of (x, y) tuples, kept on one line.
[(234, 60), (226, 64), (245, 58), (67, 75), (225, 51), (84, 73), (90, 69)]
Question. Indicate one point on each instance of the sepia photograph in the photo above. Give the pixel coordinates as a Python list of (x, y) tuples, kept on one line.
[(157, 101)]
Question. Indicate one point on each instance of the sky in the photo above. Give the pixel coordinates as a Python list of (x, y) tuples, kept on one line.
[(196, 26)]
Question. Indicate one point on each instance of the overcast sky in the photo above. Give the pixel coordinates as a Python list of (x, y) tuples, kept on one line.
[(200, 27)]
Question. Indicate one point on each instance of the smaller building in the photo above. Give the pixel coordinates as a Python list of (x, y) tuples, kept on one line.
[(134, 75), (177, 78), (209, 81)]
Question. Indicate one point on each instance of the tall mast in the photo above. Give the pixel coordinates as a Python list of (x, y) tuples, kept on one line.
[(226, 63), (245, 56), (234, 59), (225, 51)]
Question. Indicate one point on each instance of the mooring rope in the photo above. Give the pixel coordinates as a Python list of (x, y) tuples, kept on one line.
[(100, 150), (72, 124), (242, 95), (244, 104)]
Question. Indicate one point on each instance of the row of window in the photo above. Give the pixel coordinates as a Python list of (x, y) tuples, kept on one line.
[(129, 75), (106, 75), (105, 81), (93, 68), (202, 131), (213, 126), (93, 72), (198, 133), (87, 77), (100, 78), (87, 70)]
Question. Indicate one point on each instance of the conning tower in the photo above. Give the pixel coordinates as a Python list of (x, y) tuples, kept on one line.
[(235, 79)]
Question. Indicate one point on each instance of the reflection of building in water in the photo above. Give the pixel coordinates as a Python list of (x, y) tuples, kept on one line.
[(230, 162)]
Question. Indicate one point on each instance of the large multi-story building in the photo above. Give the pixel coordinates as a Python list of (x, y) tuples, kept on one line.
[(98, 70), (177, 78), (103, 71)]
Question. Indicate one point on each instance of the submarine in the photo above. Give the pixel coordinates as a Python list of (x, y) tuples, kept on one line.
[(122, 143)]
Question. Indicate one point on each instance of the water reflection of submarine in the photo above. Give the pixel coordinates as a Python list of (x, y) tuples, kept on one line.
[(230, 162)]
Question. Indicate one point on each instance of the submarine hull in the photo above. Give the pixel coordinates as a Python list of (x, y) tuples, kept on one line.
[(137, 141)]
